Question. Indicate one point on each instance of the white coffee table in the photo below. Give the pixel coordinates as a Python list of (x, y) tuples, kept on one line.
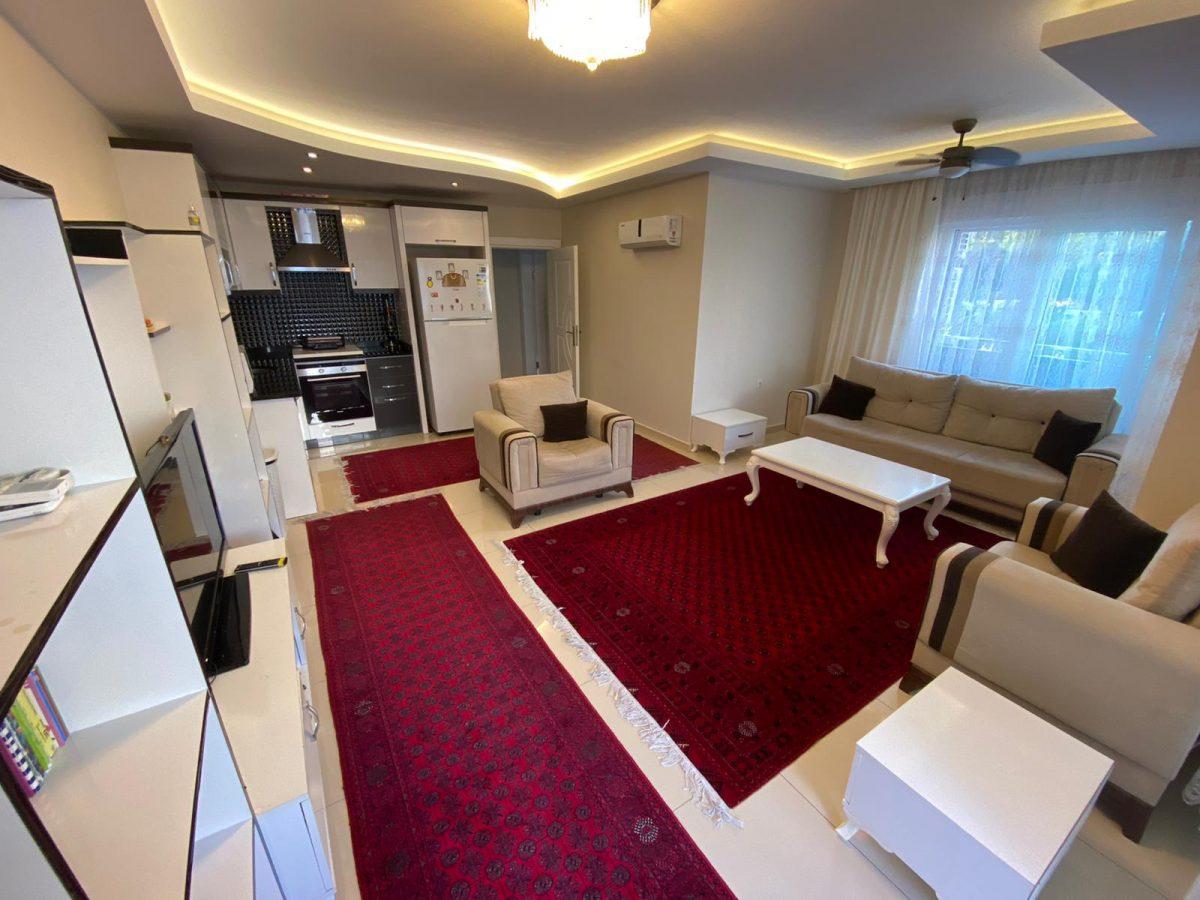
[(977, 795), (867, 480)]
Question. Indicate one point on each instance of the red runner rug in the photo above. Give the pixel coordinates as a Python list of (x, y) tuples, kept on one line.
[(473, 765), (402, 470), (747, 633)]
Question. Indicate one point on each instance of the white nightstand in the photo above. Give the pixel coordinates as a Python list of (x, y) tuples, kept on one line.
[(726, 430), (980, 797)]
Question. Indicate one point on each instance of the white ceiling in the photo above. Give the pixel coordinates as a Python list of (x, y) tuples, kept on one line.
[(398, 93)]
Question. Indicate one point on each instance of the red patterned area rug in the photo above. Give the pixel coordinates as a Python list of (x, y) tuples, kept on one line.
[(402, 470), (746, 633), (473, 765)]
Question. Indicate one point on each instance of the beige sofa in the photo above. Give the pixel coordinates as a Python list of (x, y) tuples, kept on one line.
[(979, 434), (524, 471), (1120, 678)]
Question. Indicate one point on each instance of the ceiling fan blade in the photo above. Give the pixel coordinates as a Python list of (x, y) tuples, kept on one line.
[(997, 156), (920, 161)]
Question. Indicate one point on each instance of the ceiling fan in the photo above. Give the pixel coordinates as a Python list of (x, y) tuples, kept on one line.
[(954, 162)]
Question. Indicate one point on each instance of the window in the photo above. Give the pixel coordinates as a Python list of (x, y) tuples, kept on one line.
[(1039, 304)]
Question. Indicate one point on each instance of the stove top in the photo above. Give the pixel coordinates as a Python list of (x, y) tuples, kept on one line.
[(349, 351)]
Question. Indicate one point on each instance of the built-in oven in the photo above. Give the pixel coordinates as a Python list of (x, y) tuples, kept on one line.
[(336, 396)]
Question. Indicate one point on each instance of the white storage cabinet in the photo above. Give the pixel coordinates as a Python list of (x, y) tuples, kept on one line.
[(251, 238), (370, 248), (444, 227)]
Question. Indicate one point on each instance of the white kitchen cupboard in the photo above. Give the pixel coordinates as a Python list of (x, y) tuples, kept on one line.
[(441, 227), (272, 727), (370, 247), (251, 239), (162, 188), (89, 600)]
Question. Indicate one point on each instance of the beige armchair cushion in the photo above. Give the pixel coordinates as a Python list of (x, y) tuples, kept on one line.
[(919, 400), (522, 398), (1170, 585), (1013, 417), (565, 461)]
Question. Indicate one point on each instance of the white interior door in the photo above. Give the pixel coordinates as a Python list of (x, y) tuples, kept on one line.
[(562, 307)]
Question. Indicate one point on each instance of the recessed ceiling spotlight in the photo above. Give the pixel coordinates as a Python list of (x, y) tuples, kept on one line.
[(312, 154), (454, 184), (307, 170)]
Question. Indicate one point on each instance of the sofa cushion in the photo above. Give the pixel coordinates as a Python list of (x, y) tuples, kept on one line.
[(523, 397), (572, 460), (1170, 584), (919, 400), (1109, 548), (847, 399), (565, 421), (1005, 476), (1013, 416), (1064, 438)]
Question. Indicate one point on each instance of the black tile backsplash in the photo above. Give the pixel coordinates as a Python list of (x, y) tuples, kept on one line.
[(309, 304), (270, 323)]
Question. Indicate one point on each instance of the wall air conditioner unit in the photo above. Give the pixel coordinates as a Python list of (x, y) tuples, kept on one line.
[(660, 231)]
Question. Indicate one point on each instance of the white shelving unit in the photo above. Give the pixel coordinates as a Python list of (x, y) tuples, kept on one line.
[(144, 798)]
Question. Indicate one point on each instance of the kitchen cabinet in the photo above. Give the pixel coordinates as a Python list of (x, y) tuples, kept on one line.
[(251, 239), (162, 189), (370, 248), (461, 227), (393, 381)]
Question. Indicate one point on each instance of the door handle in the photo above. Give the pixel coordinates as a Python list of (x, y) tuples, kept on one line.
[(354, 274), (316, 720), (445, 240), (274, 274), (303, 623)]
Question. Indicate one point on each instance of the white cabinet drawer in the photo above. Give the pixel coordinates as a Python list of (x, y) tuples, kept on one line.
[(751, 435), (727, 430), (461, 227)]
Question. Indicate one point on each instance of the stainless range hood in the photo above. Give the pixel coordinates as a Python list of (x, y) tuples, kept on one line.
[(309, 254)]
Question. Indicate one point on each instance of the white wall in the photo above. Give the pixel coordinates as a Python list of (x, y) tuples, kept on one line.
[(763, 295), (638, 308), (527, 222), (48, 130)]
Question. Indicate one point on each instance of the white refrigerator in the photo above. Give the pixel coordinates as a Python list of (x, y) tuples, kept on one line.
[(460, 349)]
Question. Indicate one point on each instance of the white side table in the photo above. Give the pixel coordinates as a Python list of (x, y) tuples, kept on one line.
[(726, 430), (980, 797)]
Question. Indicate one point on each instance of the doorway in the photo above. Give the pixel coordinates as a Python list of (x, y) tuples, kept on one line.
[(537, 310)]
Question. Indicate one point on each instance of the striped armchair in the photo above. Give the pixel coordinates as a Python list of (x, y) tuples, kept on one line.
[(1124, 680)]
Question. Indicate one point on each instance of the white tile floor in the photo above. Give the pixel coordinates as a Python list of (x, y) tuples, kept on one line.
[(788, 847)]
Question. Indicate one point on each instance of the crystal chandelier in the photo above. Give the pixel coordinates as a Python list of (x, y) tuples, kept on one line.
[(591, 31)]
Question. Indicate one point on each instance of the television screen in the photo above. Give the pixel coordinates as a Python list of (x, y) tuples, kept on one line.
[(181, 504)]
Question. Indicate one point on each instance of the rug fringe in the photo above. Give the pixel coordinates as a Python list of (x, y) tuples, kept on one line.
[(652, 734)]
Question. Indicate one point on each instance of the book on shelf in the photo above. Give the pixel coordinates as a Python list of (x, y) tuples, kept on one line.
[(31, 733)]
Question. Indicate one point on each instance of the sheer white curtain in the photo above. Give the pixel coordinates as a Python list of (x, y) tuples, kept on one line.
[(1067, 274), (891, 227)]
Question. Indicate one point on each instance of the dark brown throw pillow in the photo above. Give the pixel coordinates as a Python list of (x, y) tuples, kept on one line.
[(565, 421), (1065, 438), (1109, 548), (847, 399)]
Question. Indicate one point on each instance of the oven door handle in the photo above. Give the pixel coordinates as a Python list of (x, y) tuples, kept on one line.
[(334, 378)]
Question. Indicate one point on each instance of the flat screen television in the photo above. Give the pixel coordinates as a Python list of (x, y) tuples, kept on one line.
[(179, 494)]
